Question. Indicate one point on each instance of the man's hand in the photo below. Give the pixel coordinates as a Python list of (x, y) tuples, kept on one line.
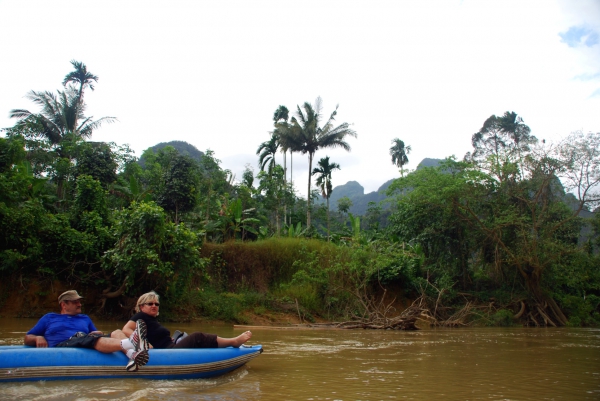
[(37, 341), (40, 342), (97, 332)]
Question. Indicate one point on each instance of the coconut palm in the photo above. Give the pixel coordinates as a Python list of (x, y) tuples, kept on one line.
[(58, 116), (61, 118), (266, 153), (324, 171), (61, 114), (306, 136), (399, 153)]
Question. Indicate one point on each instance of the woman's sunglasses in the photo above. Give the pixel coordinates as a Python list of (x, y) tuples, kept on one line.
[(152, 304)]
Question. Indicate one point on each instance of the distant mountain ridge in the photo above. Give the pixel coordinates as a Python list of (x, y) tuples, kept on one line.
[(360, 200), (182, 147)]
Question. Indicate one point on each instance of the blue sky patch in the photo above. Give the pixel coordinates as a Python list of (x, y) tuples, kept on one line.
[(596, 93), (588, 77), (580, 35)]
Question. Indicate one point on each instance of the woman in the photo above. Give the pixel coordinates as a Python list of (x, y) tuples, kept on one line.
[(159, 337)]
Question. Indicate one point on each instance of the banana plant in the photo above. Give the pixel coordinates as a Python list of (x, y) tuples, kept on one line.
[(237, 220), (355, 226), (297, 231)]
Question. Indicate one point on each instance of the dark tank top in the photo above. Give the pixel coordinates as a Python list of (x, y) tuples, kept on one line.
[(158, 335)]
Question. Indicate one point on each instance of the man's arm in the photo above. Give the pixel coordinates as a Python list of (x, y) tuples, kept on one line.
[(35, 341), (35, 336)]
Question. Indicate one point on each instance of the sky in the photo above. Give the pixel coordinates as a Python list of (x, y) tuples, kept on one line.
[(212, 73)]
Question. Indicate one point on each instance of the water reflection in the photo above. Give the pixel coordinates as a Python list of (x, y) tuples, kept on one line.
[(463, 364), (198, 389)]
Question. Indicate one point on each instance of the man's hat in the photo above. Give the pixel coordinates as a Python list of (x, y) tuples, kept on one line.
[(70, 295)]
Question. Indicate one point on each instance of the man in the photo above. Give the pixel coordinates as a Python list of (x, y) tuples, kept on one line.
[(71, 328)]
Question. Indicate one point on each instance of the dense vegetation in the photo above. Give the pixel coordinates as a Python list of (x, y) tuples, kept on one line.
[(497, 238)]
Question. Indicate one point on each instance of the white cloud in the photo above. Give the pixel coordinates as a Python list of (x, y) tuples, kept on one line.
[(212, 73)]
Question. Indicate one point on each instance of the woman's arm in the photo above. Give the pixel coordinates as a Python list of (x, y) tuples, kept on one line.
[(129, 328)]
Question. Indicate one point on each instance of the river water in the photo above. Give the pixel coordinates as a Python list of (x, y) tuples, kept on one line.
[(451, 364)]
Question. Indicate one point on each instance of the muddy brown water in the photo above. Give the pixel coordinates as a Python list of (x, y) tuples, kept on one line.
[(450, 364)]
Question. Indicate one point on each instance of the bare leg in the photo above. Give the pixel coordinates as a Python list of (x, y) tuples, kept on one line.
[(112, 344), (118, 334), (108, 345), (234, 342)]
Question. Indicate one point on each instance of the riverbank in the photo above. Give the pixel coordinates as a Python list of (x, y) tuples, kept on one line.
[(32, 299)]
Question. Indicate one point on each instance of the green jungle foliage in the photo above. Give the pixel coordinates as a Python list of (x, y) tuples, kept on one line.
[(501, 228)]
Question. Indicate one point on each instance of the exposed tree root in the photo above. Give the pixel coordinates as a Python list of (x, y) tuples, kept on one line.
[(379, 316)]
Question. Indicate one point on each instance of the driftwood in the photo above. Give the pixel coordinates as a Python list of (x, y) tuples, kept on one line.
[(378, 316)]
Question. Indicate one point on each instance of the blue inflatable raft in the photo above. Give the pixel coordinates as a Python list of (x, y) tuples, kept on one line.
[(23, 363)]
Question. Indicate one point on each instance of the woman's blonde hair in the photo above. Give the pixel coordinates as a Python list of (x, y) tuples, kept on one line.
[(145, 298)]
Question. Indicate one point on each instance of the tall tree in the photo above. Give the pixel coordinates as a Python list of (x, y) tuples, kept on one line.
[(276, 192), (399, 153), (472, 220), (324, 171), (513, 126), (82, 77), (58, 117), (61, 120), (266, 153), (282, 113), (307, 136), (180, 190), (280, 121), (60, 114), (499, 144)]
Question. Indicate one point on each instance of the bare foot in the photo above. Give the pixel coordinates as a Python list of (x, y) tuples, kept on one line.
[(241, 339)]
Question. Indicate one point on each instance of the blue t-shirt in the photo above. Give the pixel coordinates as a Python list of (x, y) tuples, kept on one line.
[(57, 328)]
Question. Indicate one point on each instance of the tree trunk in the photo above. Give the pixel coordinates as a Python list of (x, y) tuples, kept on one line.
[(544, 305), (291, 179), (308, 199), (328, 232), (285, 184)]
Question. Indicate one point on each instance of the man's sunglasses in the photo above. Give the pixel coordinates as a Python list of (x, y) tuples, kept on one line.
[(152, 304)]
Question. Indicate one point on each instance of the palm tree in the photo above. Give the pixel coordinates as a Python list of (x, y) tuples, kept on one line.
[(282, 113), (80, 76), (266, 153), (280, 121), (399, 154), (280, 118), (60, 115), (324, 181), (306, 136)]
